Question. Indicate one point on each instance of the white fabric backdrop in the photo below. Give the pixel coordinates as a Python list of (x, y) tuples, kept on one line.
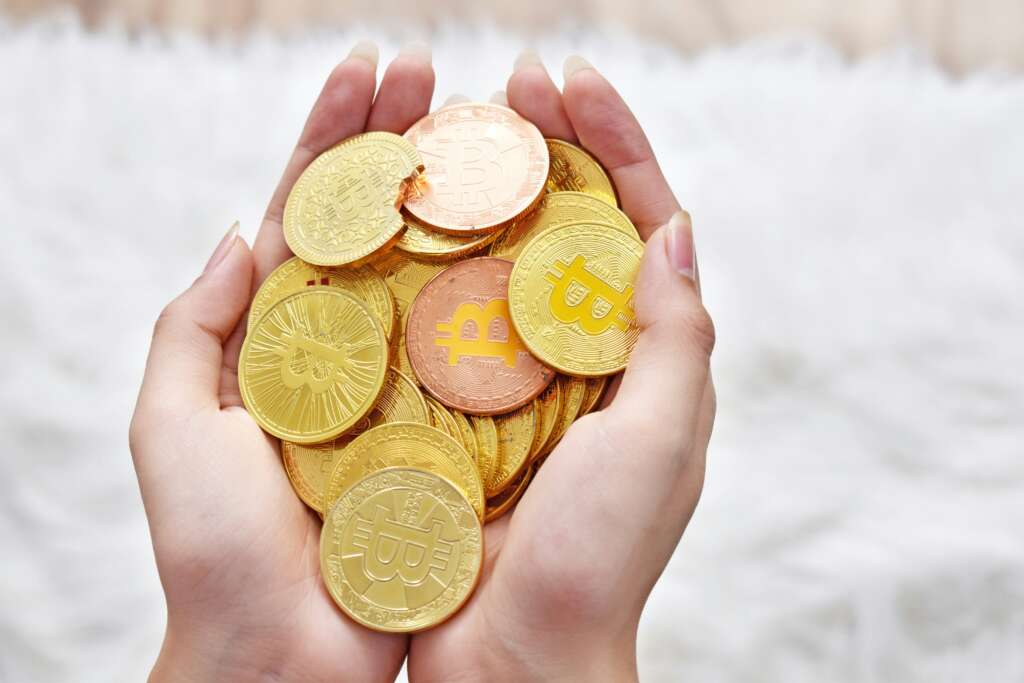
[(862, 251)]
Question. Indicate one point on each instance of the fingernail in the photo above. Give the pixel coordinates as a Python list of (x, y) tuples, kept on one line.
[(527, 57), (499, 97), (457, 98), (367, 51), (679, 245), (418, 50), (223, 248), (573, 65)]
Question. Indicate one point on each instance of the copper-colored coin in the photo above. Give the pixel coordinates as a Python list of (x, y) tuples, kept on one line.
[(462, 345), (485, 166)]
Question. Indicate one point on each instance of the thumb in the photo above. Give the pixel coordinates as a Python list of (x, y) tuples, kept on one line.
[(183, 372), (663, 385)]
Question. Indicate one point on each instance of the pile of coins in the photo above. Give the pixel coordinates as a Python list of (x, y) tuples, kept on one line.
[(459, 296)]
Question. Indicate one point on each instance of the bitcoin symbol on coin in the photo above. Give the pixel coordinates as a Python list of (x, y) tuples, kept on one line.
[(474, 169), (611, 306), (393, 549), (484, 343), (564, 177), (317, 356)]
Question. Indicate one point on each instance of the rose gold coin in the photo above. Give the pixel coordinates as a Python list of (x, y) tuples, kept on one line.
[(462, 345), (485, 166)]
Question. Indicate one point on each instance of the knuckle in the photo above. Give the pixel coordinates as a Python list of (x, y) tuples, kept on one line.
[(700, 330), (168, 317)]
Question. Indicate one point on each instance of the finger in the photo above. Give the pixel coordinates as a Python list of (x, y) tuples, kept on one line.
[(186, 362), (499, 97), (456, 98), (533, 94), (608, 129), (661, 395), (405, 91), (340, 112)]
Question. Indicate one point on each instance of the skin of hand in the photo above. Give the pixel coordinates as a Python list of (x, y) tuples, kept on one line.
[(563, 583), (567, 573), (237, 551)]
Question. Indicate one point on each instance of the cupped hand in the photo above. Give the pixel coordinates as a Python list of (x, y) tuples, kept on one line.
[(567, 573), (237, 551)]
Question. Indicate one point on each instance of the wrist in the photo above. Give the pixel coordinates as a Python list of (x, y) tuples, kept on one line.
[(570, 659), (212, 654)]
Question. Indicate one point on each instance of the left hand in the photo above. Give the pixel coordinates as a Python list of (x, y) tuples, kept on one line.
[(567, 573)]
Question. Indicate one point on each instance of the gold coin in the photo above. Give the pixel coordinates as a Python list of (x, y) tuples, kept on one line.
[(294, 275), (467, 433), (344, 206), (309, 467), (486, 445), (560, 208), (515, 441), (406, 444), (313, 365), (592, 396), (401, 550), (427, 243), (504, 501), (405, 277), (571, 298), (549, 407), (574, 169), (441, 419), (573, 390)]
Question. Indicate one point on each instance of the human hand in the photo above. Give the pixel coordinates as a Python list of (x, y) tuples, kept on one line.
[(567, 574), (237, 551)]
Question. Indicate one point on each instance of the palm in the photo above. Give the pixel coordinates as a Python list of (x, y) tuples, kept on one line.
[(249, 552)]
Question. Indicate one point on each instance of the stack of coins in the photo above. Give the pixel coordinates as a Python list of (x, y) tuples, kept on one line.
[(459, 296)]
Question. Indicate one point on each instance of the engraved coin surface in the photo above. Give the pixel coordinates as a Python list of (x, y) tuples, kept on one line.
[(516, 432), (429, 243), (294, 275), (407, 444), (401, 550), (592, 396), (441, 418), (560, 208), (344, 206), (405, 277), (466, 432), (573, 390), (573, 169), (571, 298), (462, 347), (504, 501), (486, 445), (313, 365), (484, 166), (549, 407), (309, 467)]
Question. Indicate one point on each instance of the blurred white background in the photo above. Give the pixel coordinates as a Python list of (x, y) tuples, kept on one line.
[(862, 251)]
